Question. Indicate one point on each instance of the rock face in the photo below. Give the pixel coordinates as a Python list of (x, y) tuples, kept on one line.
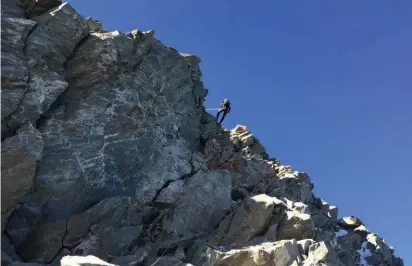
[(109, 158), (203, 203), (282, 253), (249, 220)]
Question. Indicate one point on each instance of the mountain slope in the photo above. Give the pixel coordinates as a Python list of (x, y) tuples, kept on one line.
[(108, 151)]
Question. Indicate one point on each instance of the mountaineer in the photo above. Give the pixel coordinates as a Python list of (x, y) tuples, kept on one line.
[(225, 108)]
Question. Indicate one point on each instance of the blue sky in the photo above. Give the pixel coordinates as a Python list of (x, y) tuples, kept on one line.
[(325, 85)]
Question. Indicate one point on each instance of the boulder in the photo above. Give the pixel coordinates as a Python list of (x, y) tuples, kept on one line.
[(249, 220), (278, 215), (304, 245), (296, 225), (350, 222), (322, 252), (204, 202), (362, 231), (281, 253), (239, 129), (294, 186)]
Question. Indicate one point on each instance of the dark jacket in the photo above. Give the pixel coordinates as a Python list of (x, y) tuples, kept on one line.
[(225, 106)]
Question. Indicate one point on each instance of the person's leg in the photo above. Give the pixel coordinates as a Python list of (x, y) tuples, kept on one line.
[(218, 113), (223, 116)]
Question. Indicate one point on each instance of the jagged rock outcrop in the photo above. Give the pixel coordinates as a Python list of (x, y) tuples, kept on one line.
[(109, 158)]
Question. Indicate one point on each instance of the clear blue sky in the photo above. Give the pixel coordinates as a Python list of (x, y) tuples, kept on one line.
[(325, 85)]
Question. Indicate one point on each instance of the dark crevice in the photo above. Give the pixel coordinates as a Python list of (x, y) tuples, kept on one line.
[(165, 185), (89, 206), (78, 46), (62, 245), (183, 177), (237, 195), (59, 101), (8, 132), (134, 66), (40, 120), (12, 131), (6, 234), (27, 65), (25, 43)]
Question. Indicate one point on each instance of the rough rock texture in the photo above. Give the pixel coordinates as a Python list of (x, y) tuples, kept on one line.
[(203, 203), (18, 167), (295, 225), (249, 220), (109, 158), (282, 253), (44, 242)]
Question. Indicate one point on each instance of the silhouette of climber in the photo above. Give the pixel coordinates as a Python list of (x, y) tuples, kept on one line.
[(225, 109)]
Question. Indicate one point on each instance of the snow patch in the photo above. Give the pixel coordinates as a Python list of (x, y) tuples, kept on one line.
[(307, 263), (341, 232), (364, 252)]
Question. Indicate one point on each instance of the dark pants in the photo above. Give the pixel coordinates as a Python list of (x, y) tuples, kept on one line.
[(224, 115)]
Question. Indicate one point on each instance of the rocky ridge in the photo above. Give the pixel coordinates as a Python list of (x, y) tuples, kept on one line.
[(109, 158)]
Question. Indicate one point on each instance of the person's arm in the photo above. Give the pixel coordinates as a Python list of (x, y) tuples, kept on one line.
[(228, 109)]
